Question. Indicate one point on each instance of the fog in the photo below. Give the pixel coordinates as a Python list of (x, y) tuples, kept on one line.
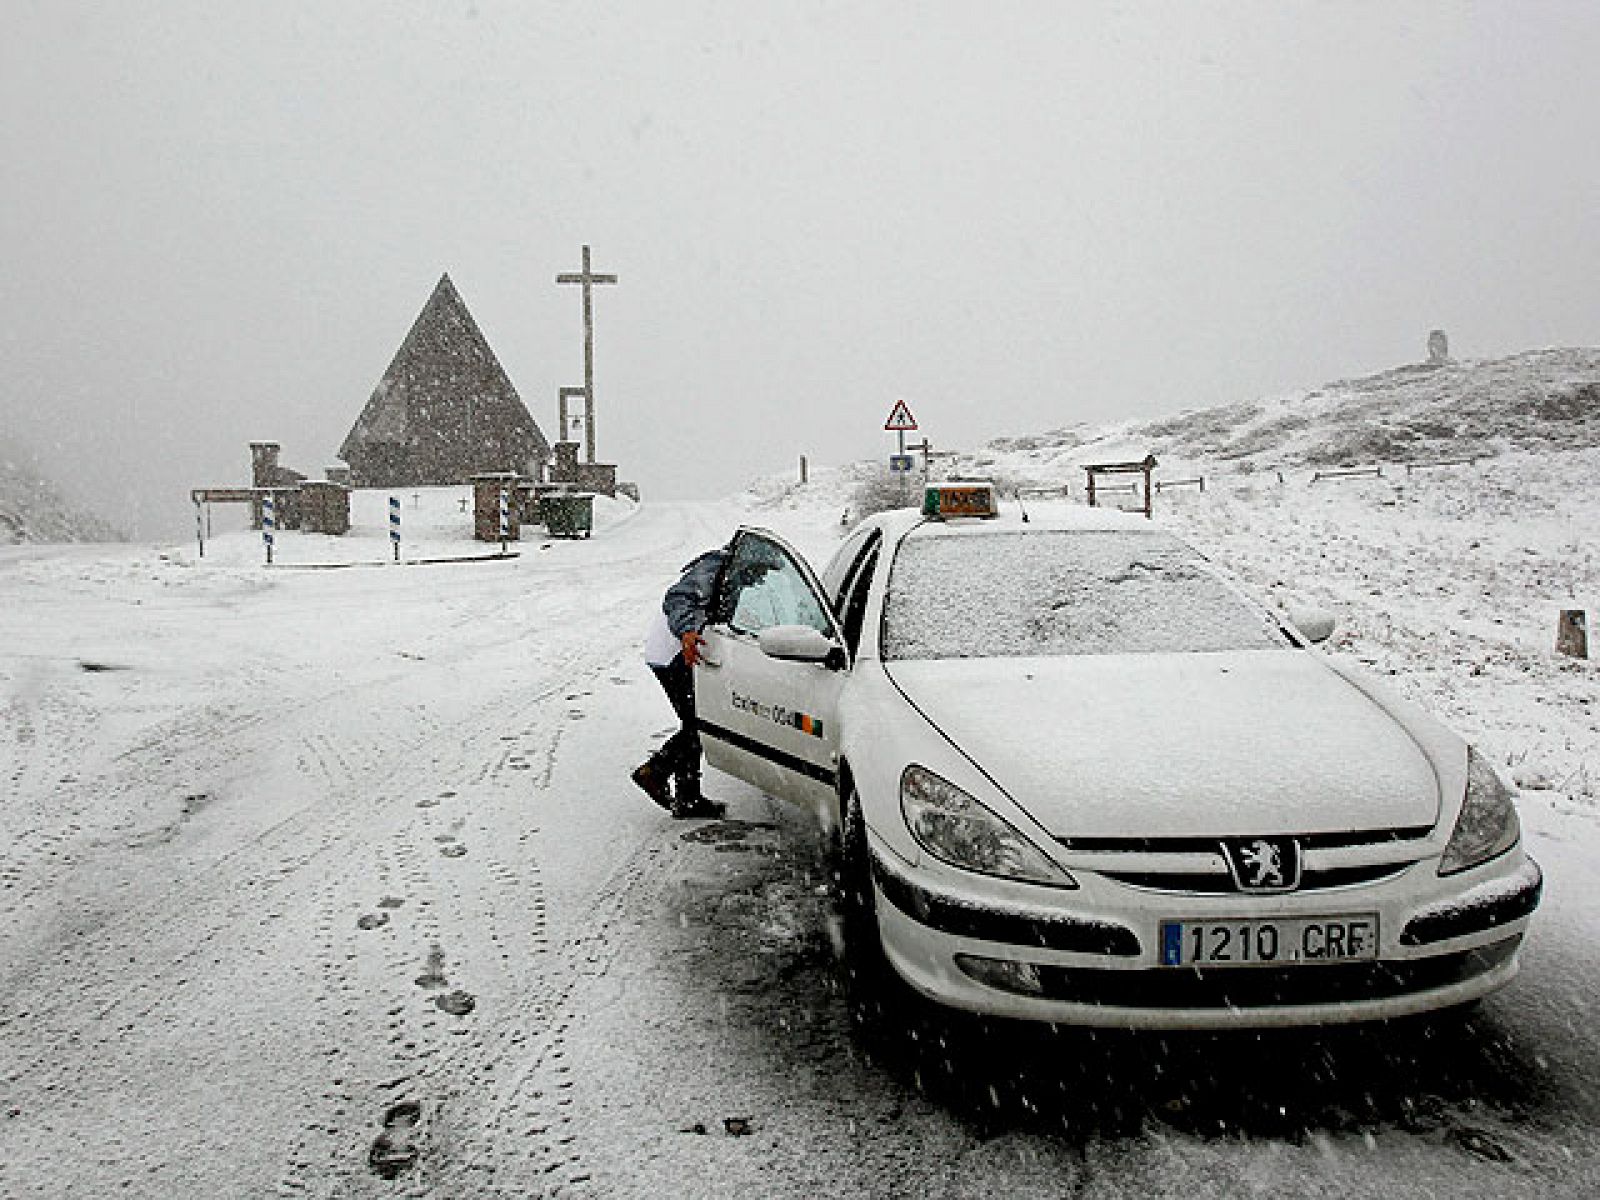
[(219, 219)]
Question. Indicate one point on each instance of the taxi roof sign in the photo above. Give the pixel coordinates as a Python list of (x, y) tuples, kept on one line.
[(941, 501)]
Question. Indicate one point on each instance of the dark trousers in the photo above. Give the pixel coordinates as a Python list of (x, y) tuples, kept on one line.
[(680, 753)]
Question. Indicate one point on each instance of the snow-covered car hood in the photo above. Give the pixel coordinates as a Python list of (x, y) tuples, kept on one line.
[(1148, 745)]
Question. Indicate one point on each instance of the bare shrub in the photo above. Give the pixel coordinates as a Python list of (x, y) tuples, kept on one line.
[(883, 490)]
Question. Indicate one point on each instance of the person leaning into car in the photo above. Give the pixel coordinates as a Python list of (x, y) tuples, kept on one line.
[(671, 775)]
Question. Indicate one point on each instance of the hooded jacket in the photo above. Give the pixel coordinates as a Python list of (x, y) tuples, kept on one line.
[(688, 602)]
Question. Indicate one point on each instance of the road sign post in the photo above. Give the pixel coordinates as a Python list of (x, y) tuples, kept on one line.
[(900, 423)]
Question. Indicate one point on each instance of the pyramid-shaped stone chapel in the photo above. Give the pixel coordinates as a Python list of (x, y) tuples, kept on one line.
[(444, 410)]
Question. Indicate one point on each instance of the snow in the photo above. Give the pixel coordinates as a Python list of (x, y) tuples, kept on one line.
[(1213, 744), (304, 863), (1072, 593)]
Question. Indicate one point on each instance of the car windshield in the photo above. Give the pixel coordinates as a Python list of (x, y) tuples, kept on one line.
[(1046, 593)]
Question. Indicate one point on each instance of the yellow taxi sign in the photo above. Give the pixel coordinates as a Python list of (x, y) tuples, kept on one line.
[(945, 500)]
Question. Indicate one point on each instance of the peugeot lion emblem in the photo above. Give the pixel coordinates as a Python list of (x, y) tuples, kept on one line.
[(1264, 864)]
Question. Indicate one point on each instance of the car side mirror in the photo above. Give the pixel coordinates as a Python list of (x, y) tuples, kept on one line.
[(1316, 625), (800, 643)]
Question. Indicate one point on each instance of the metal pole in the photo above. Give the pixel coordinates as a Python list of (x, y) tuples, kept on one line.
[(200, 528), (905, 484), (394, 525), (268, 523), (505, 521)]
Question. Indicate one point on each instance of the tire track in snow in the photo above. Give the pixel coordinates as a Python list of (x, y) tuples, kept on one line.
[(522, 1120), (190, 914), (494, 885), (305, 869)]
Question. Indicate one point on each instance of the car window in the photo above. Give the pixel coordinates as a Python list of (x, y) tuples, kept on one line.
[(841, 567), (762, 586), (855, 601), (1056, 592)]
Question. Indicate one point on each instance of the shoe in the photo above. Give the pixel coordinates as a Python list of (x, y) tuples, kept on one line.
[(653, 781), (700, 808), (689, 801)]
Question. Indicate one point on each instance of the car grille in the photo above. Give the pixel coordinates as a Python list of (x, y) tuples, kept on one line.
[(1196, 865), (1262, 987)]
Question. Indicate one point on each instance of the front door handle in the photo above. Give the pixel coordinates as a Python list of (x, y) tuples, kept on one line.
[(705, 656)]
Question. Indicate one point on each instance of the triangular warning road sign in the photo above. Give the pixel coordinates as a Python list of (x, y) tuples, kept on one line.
[(900, 418)]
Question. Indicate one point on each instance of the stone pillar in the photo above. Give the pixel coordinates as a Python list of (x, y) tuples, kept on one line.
[(264, 464), (1572, 633), (325, 507), (486, 490)]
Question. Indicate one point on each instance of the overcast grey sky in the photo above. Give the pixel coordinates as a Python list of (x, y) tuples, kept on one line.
[(219, 219)]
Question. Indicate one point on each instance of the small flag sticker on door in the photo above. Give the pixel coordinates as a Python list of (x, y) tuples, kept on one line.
[(806, 724)]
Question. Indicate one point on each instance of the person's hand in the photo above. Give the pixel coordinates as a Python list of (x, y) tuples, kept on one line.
[(692, 642)]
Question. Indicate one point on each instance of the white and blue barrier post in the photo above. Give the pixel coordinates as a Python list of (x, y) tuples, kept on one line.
[(269, 521), (394, 525), (505, 520)]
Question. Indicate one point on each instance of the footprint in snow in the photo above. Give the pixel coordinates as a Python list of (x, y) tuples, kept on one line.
[(1480, 1144), (394, 1151), (432, 977), (372, 920), (453, 851), (457, 1004)]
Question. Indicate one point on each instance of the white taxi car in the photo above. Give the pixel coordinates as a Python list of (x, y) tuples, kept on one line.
[(1080, 777)]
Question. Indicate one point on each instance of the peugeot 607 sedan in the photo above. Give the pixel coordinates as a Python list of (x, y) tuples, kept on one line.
[(1078, 776)]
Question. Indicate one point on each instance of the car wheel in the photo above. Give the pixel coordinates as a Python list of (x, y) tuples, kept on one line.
[(903, 1029), (872, 986), (856, 901)]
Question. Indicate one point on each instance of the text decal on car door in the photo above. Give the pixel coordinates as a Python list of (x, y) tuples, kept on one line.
[(777, 714)]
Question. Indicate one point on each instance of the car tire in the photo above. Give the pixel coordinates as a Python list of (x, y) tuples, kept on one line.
[(899, 1027), (881, 1003)]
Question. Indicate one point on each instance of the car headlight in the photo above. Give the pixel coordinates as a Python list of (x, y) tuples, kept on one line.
[(955, 828), (1488, 823)]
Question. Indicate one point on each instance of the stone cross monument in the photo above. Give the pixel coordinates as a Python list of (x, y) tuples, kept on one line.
[(587, 278)]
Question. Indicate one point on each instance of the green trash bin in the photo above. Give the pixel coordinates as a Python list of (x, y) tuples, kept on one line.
[(567, 514)]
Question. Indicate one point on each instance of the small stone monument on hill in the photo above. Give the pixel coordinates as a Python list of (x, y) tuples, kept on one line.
[(1438, 348)]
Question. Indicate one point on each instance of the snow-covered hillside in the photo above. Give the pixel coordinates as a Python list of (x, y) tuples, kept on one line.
[(31, 510), (1541, 400)]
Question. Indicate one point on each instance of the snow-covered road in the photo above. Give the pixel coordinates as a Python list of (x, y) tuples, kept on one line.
[(331, 883)]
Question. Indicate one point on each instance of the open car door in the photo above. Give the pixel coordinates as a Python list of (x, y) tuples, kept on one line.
[(767, 689)]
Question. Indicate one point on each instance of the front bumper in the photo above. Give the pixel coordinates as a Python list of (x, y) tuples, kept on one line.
[(1089, 957)]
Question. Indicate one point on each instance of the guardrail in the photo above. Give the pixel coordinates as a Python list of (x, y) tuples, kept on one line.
[(1444, 462), (1348, 473)]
